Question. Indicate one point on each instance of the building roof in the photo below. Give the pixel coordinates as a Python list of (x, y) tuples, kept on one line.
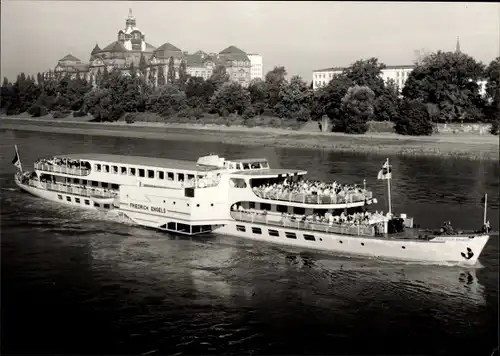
[(198, 60), (150, 47), (96, 49), (115, 46), (168, 50), (70, 57), (232, 50), (168, 47), (140, 161)]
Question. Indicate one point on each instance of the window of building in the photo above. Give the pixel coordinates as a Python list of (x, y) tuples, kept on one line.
[(170, 176), (180, 177)]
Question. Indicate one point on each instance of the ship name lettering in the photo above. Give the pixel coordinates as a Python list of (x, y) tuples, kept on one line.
[(139, 206), (156, 209)]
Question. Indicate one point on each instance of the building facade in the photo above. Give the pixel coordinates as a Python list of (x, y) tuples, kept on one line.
[(131, 45), (256, 70)]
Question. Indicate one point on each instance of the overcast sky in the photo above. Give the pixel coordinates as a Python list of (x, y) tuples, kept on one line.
[(301, 36)]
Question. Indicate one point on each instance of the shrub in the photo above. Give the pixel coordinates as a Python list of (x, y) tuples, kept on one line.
[(222, 121), (494, 127), (275, 122), (79, 114), (252, 122), (198, 113), (37, 111), (415, 119), (381, 126), (130, 118), (249, 112), (60, 114)]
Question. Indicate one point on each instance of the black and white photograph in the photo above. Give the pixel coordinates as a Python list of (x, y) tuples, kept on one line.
[(249, 178)]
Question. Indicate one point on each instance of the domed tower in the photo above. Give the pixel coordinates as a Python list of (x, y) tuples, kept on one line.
[(131, 37)]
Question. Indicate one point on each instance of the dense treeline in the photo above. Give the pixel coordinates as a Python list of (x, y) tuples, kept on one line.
[(443, 88)]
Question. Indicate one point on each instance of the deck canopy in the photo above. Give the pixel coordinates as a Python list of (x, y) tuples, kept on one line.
[(268, 173), (155, 162)]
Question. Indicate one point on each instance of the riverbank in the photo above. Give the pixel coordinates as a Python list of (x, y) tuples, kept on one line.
[(442, 145)]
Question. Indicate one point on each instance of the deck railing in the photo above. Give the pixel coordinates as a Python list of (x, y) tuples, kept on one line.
[(360, 230), (62, 169), (315, 198), (66, 188)]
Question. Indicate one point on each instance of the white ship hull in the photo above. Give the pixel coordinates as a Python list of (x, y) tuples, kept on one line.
[(440, 250)]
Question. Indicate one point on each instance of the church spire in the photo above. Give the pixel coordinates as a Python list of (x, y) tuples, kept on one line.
[(130, 19), (457, 49)]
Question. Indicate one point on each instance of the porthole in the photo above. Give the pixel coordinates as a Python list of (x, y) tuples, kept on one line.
[(362, 244), (403, 247), (212, 204), (341, 241), (320, 239), (197, 205)]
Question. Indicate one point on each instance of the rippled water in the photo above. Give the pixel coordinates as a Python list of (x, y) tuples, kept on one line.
[(79, 282)]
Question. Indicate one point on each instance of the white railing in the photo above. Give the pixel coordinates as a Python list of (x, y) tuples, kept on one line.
[(62, 169), (359, 230), (315, 198), (70, 189)]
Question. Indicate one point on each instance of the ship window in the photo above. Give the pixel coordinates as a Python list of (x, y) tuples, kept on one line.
[(84, 181), (141, 172), (257, 230), (265, 206), (151, 174), (98, 167), (114, 169), (68, 198), (264, 165), (114, 186), (76, 180), (87, 202), (251, 205), (77, 200), (246, 166), (238, 166), (180, 177), (104, 185), (170, 176), (190, 176), (59, 196), (171, 226), (96, 205), (290, 235), (123, 170), (281, 208), (254, 165), (183, 227), (299, 210), (273, 233), (240, 228), (106, 206), (95, 184), (309, 237), (161, 175), (106, 168), (131, 171)]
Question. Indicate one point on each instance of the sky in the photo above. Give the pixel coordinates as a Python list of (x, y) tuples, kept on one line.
[(301, 36)]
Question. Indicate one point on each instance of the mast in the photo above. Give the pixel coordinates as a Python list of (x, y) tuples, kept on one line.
[(19, 158), (389, 186), (485, 207)]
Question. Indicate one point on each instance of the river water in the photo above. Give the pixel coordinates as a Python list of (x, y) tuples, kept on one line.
[(78, 282)]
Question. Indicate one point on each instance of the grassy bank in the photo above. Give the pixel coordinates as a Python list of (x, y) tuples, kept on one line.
[(443, 145)]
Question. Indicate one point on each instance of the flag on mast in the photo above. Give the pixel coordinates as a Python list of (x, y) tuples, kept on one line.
[(17, 161), (385, 172)]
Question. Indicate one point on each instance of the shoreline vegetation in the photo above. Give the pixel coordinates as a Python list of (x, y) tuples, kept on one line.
[(449, 106), (467, 146)]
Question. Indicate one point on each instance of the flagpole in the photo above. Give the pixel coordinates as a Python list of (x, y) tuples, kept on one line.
[(19, 158), (389, 186), (485, 205)]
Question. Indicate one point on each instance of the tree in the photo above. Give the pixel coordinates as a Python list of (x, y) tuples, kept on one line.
[(152, 77), (258, 94), (367, 73), (166, 100), (132, 70), (98, 78), (161, 76), (183, 76), (448, 80), (492, 109), (219, 77), (230, 98), (327, 100), (356, 110), (99, 103), (387, 103), (171, 71), (294, 100), (274, 80), (105, 75), (142, 65), (199, 92), (414, 119)]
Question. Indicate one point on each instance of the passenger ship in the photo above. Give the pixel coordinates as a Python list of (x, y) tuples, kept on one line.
[(222, 196)]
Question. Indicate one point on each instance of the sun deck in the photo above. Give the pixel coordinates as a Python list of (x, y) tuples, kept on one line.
[(272, 172), (140, 161)]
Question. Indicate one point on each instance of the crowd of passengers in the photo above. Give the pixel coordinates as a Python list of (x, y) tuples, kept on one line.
[(79, 186), (306, 187), (69, 163), (364, 218)]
